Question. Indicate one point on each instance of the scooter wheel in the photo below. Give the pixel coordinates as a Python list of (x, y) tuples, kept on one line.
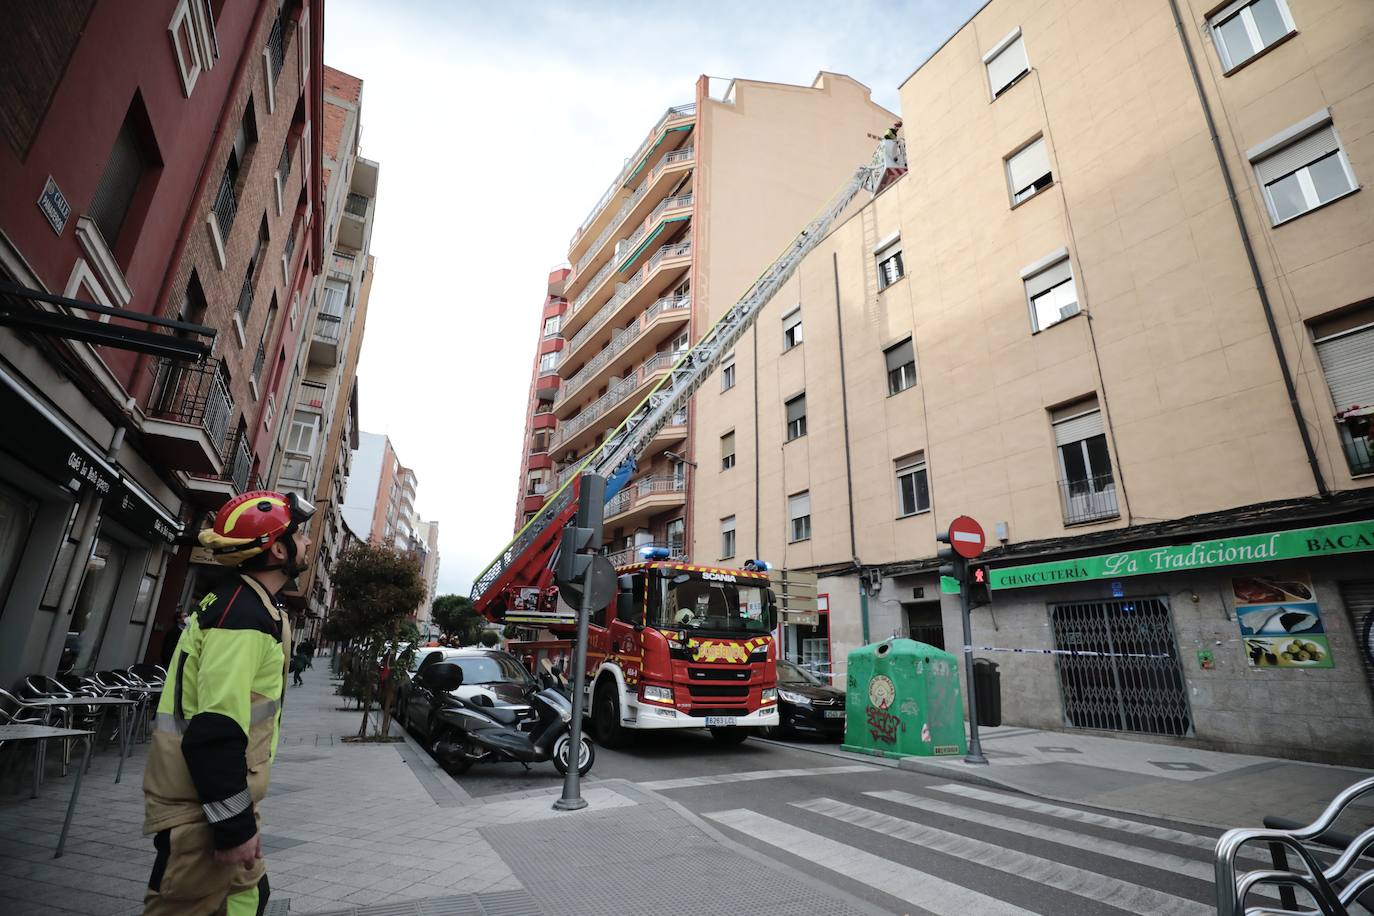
[(453, 765), (560, 755)]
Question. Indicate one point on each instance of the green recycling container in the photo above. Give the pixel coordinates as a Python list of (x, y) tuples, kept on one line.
[(902, 699)]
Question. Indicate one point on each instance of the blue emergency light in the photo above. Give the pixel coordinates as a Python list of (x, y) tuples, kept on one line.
[(757, 566), (654, 553)]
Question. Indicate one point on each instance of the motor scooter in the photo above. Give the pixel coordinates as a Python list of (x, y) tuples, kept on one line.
[(466, 731)]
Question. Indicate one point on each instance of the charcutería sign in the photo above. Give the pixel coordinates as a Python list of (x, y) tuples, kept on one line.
[(1256, 548)]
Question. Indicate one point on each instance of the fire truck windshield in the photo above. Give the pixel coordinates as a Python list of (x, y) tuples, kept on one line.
[(686, 602)]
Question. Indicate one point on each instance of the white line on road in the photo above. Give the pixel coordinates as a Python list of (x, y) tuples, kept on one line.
[(690, 781), (1133, 898), (1086, 842), (1083, 817), (941, 897)]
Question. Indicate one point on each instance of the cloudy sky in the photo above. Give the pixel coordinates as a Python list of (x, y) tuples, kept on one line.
[(498, 126)]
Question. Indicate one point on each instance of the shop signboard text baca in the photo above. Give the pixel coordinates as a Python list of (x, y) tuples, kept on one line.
[(1299, 543)]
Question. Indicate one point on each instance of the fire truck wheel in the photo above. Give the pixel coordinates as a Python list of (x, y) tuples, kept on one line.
[(729, 736), (606, 716)]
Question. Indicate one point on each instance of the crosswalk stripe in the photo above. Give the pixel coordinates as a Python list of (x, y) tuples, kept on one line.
[(1036, 831), (1083, 817), (938, 896), (690, 781), (1133, 898)]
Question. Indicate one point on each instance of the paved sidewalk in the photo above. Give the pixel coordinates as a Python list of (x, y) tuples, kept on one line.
[(348, 827), (1204, 787)]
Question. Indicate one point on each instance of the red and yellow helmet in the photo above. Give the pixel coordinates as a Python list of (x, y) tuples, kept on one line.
[(249, 524)]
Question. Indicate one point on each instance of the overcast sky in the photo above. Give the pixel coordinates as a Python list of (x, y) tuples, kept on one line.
[(498, 126)]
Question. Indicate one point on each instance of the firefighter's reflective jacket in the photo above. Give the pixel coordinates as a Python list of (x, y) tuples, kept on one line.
[(219, 716)]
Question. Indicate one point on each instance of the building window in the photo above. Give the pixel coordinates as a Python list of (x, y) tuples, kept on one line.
[(1302, 168), (537, 482), (799, 511), (193, 41), (1050, 290), (889, 261), (539, 442), (1345, 346), (1242, 29), (913, 486), (1086, 486), (727, 451), (1028, 171), (548, 362), (118, 183), (796, 417), (727, 372), (552, 325), (542, 407), (677, 537), (791, 329), (1006, 63), (727, 538), (901, 366)]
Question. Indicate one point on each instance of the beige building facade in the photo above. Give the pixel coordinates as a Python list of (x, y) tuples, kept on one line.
[(1059, 324), (716, 189)]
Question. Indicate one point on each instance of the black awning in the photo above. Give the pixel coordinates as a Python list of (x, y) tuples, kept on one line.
[(19, 308)]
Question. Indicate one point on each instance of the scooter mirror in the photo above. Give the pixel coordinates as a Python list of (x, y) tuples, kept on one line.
[(444, 676)]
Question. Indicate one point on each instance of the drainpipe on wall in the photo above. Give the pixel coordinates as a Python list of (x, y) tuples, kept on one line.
[(848, 458), (1250, 256)]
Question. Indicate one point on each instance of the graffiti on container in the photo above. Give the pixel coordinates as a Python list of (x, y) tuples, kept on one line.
[(883, 725), (910, 707)]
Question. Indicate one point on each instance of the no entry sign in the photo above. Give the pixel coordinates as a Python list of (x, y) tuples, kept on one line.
[(966, 537)]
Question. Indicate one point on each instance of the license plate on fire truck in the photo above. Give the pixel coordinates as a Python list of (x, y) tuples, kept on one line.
[(717, 721)]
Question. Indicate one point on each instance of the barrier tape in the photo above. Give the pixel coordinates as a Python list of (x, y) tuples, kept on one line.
[(1083, 652)]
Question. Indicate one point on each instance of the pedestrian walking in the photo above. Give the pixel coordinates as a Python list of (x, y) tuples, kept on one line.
[(216, 734), (298, 664)]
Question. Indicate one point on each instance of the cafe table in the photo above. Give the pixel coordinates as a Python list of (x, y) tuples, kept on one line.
[(41, 734)]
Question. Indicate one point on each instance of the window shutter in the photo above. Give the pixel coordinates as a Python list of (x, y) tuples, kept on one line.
[(800, 505), (727, 444), (727, 525), (1348, 363), (796, 408), (1007, 65), (1049, 277), (117, 185), (1293, 157), (1076, 429), (1028, 165), (791, 320), (899, 355)]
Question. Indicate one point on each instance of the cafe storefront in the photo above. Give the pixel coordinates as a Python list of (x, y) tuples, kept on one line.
[(1253, 643)]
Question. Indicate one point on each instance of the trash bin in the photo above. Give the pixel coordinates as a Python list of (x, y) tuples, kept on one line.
[(902, 698), (988, 683)]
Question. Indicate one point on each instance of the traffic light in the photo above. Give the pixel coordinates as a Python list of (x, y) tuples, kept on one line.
[(951, 565), (978, 589), (582, 536)]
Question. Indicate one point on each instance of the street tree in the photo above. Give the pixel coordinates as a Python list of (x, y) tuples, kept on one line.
[(490, 638), (458, 619), (377, 589)]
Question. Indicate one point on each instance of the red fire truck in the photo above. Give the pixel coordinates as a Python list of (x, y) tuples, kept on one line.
[(680, 645)]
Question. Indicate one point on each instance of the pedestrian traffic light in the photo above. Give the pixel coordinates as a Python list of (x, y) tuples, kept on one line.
[(583, 535), (978, 589), (951, 565)]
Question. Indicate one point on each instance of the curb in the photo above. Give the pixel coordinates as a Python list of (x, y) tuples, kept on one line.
[(432, 777)]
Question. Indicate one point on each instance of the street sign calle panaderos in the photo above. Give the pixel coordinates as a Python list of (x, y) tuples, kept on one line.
[(1326, 540)]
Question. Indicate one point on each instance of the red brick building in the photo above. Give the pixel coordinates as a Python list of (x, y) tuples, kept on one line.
[(537, 475), (160, 158)]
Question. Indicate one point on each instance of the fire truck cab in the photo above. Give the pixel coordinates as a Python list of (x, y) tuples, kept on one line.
[(683, 646)]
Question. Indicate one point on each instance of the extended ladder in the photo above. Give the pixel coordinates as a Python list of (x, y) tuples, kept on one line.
[(616, 456)]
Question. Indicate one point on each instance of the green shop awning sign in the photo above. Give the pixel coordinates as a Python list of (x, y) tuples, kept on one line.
[(1256, 548)]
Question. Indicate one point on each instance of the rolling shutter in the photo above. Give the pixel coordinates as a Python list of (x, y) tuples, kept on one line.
[(1348, 363), (1029, 165), (1076, 429), (1291, 158)]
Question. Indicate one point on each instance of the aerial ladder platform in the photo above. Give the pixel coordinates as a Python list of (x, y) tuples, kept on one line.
[(521, 576)]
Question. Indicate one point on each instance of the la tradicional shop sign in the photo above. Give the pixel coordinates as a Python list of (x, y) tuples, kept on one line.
[(1299, 543)]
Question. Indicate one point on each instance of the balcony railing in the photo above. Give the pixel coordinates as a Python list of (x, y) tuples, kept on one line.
[(1359, 452), (587, 290), (611, 227), (226, 205), (191, 394), (1088, 499), (680, 249), (238, 462), (341, 266), (626, 248), (676, 157), (246, 298), (327, 327), (259, 360), (356, 204), (677, 111), (620, 342), (284, 166), (632, 554), (296, 468), (276, 44), (617, 393), (291, 245)]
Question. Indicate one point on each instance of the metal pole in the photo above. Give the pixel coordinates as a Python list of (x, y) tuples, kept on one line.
[(975, 749), (572, 798)]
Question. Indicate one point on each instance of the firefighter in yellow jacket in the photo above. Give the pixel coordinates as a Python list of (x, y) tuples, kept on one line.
[(219, 717)]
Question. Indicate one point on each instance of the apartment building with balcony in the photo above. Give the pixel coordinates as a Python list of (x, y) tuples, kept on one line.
[(319, 422), (536, 459), (712, 194), (151, 239), (1058, 324)]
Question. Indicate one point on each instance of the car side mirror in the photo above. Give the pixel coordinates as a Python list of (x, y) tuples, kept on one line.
[(444, 676), (771, 613)]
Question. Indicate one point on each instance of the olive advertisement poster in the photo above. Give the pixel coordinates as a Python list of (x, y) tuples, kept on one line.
[(1280, 622)]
